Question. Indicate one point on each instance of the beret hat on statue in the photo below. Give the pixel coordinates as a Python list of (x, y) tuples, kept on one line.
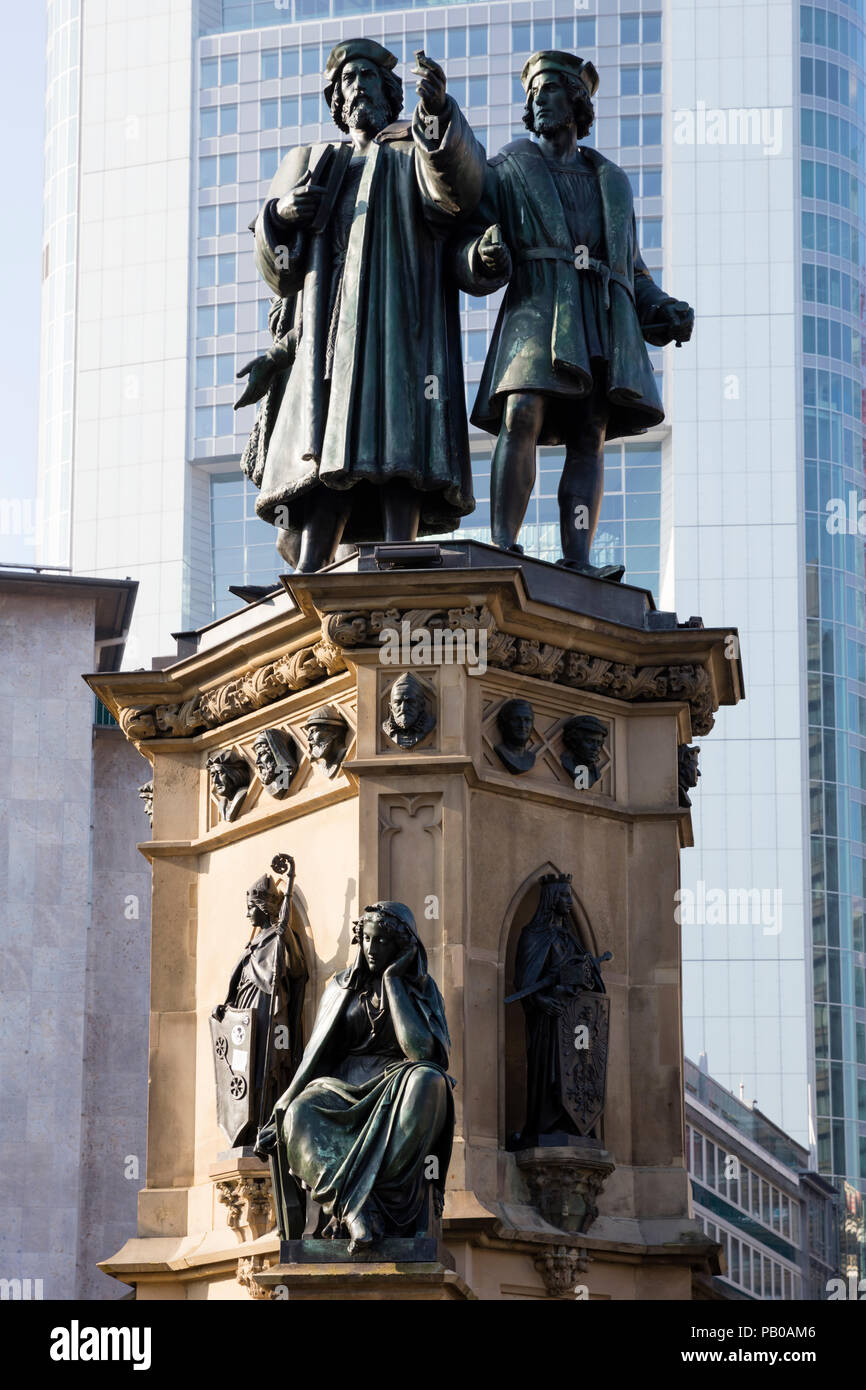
[(354, 48), (555, 60)]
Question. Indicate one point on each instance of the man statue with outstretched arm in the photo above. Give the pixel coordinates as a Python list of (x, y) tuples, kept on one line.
[(567, 363), (362, 434)]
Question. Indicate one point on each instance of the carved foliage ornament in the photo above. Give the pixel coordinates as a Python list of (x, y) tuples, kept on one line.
[(341, 631)]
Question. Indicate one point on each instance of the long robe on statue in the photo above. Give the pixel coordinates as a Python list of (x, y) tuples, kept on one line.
[(345, 1128), (375, 392), (546, 952)]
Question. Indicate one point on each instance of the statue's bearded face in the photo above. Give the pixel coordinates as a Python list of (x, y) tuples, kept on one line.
[(552, 107), (407, 707), (266, 764), (364, 106), (320, 741)]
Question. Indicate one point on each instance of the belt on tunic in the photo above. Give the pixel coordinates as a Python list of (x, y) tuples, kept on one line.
[(556, 253)]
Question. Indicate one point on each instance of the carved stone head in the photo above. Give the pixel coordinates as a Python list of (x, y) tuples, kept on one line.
[(145, 793), (515, 720), (583, 736), (327, 736), (230, 776), (409, 719), (688, 771), (276, 761)]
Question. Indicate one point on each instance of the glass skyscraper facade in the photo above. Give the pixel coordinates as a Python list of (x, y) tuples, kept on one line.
[(832, 173), (741, 126)]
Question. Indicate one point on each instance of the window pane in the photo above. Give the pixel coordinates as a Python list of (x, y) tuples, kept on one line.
[(228, 120), (310, 58), (203, 372), (290, 64), (228, 168), (203, 422), (229, 72), (225, 365), (209, 126), (226, 275), (204, 321), (521, 38), (206, 272), (629, 131), (270, 64), (225, 318), (652, 28), (310, 108), (225, 421), (629, 28), (629, 84), (652, 130), (478, 40), (652, 79), (207, 221), (270, 114), (586, 33), (652, 183), (228, 218), (478, 91), (210, 72), (207, 172), (289, 111), (457, 42)]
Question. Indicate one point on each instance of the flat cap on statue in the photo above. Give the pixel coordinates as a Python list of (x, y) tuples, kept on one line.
[(556, 60), (354, 48)]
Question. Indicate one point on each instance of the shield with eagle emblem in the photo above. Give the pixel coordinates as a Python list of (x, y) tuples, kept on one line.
[(583, 1034)]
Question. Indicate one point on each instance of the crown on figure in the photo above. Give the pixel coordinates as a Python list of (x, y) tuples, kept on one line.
[(556, 878)]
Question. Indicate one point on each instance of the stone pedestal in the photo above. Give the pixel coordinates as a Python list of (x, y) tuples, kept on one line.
[(444, 827)]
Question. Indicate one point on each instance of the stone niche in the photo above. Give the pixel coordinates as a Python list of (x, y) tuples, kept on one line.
[(445, 826)]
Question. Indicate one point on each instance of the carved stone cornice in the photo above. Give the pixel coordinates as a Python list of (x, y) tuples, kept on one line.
[(342, 632)]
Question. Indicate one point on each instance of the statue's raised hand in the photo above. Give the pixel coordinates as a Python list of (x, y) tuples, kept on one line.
[(431, 84), (493, 254)]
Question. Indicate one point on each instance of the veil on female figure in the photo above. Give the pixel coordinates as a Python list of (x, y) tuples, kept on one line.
[(370, 1105)]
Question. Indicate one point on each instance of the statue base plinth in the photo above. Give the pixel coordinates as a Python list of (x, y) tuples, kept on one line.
[(396, 1250), (565, 1182), (378, 1278)]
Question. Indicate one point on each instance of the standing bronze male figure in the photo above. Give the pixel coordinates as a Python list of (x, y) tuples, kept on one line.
[(363, 433), (567, 363)]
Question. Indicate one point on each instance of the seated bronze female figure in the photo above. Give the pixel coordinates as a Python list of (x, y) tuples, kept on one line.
[(370, 1105)]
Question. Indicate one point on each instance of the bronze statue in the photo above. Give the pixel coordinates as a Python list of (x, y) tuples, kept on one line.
[(257, 1032), (230, 776), (367, 1123), (567, 363), (583, 736), (327, 736), (363, 435), (561, 991), (515, 721), (409, 718), (276, 761)]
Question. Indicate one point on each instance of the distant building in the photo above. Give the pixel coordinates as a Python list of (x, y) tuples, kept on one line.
[(75, 923), (779, 1223)]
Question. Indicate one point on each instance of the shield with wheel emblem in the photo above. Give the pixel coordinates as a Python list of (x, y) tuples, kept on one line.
[(583, 1033), (233, 1042)]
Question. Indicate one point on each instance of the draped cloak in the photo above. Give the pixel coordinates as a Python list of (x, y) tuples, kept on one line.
[(540, 342), (355, 1122), (393, 405)]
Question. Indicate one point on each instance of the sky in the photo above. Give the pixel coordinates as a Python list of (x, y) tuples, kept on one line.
[(22, 99)]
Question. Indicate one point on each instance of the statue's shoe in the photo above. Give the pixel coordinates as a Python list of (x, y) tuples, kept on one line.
[(613, 573)]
